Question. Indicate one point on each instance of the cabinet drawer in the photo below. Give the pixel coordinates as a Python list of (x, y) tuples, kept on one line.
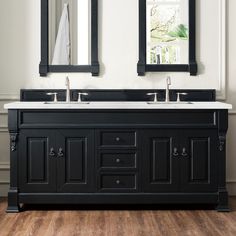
[(118, 138), (117, 181), (118, 160)]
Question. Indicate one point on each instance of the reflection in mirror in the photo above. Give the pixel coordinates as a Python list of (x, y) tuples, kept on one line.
[(69, 32), (69, 37), (167, 36), (167, 31)]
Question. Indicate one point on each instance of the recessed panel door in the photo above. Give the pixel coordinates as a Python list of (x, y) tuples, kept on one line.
[(198, 156), (160, 169), (75, 160), (37, 161)]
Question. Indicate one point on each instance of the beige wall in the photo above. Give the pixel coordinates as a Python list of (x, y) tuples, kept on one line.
[(118, 50)]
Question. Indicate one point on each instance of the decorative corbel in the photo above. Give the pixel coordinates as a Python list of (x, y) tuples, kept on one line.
[(222, 141), (13, 140)]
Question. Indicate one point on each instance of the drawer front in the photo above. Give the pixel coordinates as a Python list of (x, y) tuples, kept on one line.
[(118, 138), (118, 182), (117, 160)]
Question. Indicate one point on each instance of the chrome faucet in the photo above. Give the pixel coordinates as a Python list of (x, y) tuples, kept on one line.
[(155, 100), (67, 89), (168, 83)]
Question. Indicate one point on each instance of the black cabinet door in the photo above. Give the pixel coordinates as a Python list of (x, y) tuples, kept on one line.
[(198, 155), (37, 160), (75, 172), (160, 165)]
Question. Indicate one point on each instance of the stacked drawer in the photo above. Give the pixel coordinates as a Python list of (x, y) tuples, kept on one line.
[(117, 161)]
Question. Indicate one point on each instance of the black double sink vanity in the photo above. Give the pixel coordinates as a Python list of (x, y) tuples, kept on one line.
[(118, 149), (118, 146)]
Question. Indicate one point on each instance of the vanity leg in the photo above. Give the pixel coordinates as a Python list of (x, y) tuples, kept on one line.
[(223, 203), (13, 205)]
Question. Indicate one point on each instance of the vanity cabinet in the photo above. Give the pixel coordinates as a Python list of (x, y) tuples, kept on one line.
[(56, 160), (179, 160), (117, 156)]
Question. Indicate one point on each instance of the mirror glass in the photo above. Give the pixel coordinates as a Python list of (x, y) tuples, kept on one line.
[(167, 31), (69, 36)]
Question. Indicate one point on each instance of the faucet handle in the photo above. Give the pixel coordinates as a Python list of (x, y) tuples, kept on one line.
[(80, 96), (155, 96), (178, 96), (168, 80), (67, 82), (54, 96)]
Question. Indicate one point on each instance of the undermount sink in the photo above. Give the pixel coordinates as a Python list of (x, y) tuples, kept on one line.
[(161, 103), (65, 103), (85, 102)]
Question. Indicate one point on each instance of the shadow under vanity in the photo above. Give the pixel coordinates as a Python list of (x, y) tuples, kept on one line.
[(135, 155)]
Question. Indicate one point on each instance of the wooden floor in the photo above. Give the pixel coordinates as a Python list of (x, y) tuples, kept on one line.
[(75, 220)]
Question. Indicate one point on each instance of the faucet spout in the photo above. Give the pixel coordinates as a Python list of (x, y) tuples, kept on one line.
[(168, 83), (67, 89)]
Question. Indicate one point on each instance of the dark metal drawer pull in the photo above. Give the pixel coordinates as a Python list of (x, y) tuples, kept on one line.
[(60, 153), (117, 181), (175, 153), (52, 152), (184, 153)]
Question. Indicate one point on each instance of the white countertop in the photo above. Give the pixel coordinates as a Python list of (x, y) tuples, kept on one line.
[(118, 105)]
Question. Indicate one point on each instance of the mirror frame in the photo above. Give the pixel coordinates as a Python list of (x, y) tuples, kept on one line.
[(142, 63), (45, 67)]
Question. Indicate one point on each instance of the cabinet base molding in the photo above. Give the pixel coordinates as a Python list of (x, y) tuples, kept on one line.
[(121, 198), (221, 208), (13, 209)]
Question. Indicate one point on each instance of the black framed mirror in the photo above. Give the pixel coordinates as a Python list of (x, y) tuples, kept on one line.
[(69, 36), (167, 32)]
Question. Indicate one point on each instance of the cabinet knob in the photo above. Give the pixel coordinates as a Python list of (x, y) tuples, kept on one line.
[(117, 160), (117, 181), (175, 153), (52, 152), (60, 153), (184, 153), (117, 139)]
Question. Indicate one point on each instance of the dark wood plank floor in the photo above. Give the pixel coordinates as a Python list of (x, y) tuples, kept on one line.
[(84, 221)]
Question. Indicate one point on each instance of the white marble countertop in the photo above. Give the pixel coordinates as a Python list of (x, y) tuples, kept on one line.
[(118, 105)]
